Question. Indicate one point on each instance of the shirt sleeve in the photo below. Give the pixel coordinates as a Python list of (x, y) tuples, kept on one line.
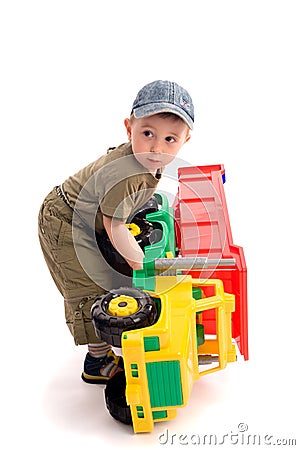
[(120, 200)]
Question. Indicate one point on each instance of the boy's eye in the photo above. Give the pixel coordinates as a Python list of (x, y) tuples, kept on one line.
[(147, 133), (170, 139)]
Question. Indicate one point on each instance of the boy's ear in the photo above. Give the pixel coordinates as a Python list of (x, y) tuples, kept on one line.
[(188, 138), (128, 128)]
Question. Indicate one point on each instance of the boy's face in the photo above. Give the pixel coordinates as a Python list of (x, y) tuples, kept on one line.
[(156, 140)]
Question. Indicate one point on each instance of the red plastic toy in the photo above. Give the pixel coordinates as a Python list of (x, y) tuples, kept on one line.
[(203, 229)]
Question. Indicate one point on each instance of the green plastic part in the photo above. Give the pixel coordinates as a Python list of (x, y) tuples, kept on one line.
[(197, 293), (159, 414), (151, 343), (200, 334), (134, 370), (164, 382), (140, 412), (164, 220)]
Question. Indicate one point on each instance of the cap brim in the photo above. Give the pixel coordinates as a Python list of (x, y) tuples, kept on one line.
[(156, 108)]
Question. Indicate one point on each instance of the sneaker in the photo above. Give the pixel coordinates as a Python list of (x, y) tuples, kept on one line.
[(100, 370)]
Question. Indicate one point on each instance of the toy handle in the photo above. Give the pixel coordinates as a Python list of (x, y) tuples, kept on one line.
[(191, 263)]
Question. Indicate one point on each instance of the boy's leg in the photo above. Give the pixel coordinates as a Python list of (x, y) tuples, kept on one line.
[(78, 290), (101, 363), (79, 320)]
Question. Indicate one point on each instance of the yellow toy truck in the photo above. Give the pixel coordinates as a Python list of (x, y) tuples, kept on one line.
[(176, 323)]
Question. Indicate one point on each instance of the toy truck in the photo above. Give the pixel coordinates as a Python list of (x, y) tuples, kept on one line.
[(187, 310)]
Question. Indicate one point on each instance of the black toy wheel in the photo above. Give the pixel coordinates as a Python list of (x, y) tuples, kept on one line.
[(122, 310), (143, 232), (116, 400), (149, 207)]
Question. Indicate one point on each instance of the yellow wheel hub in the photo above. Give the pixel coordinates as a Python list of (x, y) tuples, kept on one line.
[(123, 305), (133, 228)]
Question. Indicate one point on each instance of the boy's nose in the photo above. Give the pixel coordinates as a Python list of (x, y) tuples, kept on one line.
[(155, 148)]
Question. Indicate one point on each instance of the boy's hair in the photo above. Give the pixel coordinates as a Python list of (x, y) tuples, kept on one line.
[(166, 115)]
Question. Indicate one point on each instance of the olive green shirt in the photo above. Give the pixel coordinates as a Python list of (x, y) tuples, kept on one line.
[(115, 185)]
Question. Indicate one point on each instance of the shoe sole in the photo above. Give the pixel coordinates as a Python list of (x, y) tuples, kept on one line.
[(93, 379)]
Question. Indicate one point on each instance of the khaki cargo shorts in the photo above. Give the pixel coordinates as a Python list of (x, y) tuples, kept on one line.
[(78, 290)]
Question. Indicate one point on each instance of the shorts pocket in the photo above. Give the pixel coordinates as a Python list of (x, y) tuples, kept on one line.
[(65, 247), (79, 320)]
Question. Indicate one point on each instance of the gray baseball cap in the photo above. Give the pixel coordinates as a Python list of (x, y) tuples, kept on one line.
[(164, 96)]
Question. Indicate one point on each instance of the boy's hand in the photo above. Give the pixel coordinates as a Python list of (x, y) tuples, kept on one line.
[(124, 242)]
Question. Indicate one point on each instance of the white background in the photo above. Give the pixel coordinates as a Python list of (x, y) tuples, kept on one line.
[(69, 73)]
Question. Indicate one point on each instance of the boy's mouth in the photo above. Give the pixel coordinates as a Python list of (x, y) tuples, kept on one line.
[(154, 160)]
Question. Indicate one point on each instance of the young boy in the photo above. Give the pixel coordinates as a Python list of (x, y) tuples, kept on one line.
[(101, 197)]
